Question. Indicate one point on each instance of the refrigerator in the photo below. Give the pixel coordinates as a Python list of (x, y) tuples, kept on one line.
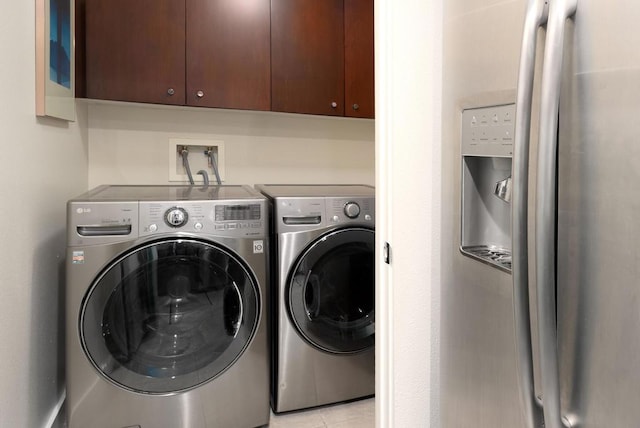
[(540, 315)]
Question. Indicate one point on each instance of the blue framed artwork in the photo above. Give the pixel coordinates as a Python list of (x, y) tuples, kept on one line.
[(55, 59)]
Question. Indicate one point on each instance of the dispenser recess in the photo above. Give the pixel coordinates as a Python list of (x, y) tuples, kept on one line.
[(487, 149)]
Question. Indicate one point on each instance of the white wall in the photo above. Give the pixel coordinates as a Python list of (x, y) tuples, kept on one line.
[(44, 164), (128, 144), (408, 180)]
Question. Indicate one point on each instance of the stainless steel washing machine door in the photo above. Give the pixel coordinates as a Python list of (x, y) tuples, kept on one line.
[(169, 315), (331, 292)]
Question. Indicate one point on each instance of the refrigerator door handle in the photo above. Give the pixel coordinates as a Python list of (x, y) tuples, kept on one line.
[(536, 17), (559, 12)]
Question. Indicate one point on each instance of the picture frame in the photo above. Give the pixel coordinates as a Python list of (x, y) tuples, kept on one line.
[(55, 59)]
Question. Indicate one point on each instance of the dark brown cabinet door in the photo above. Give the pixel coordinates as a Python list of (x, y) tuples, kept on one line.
[(307, 56), (359, 59), (135, 50), (228, 54)]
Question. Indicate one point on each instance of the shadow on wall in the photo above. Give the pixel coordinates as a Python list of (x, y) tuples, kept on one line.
[(46, 372)]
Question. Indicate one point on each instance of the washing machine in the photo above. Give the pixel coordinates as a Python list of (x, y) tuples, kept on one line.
[(323, 299), (166, 317)]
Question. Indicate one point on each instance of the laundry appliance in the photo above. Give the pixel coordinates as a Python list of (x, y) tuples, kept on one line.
[(323, 300), (166, 316)]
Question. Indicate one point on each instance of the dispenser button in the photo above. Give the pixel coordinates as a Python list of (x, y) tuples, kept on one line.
[(197, 226)]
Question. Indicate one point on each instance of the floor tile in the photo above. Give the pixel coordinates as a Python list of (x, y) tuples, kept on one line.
[(357, 414), (357, 410), (302, 419)]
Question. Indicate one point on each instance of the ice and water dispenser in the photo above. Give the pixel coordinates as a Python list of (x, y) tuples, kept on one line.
[(487, 149)]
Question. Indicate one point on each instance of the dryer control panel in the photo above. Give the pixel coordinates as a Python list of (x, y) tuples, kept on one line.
[(295, 214), (343, 210)]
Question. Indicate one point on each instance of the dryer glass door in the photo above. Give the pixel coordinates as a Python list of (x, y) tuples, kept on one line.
[(169, 315), (332, 291)]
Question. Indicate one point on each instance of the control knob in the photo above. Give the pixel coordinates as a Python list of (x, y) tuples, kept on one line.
[(176, 217), (351, 209)]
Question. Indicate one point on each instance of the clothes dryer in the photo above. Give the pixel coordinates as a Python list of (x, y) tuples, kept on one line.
[(323, 300), (166, 316)]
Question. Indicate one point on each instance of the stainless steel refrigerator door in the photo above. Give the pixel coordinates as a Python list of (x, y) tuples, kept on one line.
[(598, 300), (479, 386)]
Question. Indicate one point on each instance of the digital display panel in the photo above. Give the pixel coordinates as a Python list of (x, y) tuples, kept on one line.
[(237, 212)]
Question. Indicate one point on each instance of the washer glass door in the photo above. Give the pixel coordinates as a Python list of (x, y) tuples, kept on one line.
[(169, 315), (331, 291)]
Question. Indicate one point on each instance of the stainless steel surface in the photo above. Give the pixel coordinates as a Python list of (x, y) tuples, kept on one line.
[(478, 377), (536, 17), (492, 255), (167, 193), (503, 189), (488, 130), (316, 190), (596, 284), (303, 375), (485, 219), (559, 12), (598, 209), (239, 397), (308, 377)]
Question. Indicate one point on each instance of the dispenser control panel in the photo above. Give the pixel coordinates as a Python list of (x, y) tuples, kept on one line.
[(488, 131)]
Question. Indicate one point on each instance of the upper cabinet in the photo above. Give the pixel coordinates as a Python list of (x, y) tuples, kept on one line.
[(299, 56), (212, 53), (358, 58), (307, 56), (228, 60), (135, 50), (322, 57)]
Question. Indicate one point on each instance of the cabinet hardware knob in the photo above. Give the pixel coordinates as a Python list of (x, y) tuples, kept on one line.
[(171, 91), (200, 94), (356, 106), (334, 104)]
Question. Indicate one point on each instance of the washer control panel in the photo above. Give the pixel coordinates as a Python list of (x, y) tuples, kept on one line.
[(226, 218)]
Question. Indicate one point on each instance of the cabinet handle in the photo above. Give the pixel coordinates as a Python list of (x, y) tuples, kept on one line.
[(356, 106), (200, 94), (334, 104), (171, 91)]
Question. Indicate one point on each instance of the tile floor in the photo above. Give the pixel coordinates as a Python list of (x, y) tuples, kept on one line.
[(357, 414)]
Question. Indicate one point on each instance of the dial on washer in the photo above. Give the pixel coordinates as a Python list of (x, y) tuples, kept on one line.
[(351, 209), (176, 217)]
